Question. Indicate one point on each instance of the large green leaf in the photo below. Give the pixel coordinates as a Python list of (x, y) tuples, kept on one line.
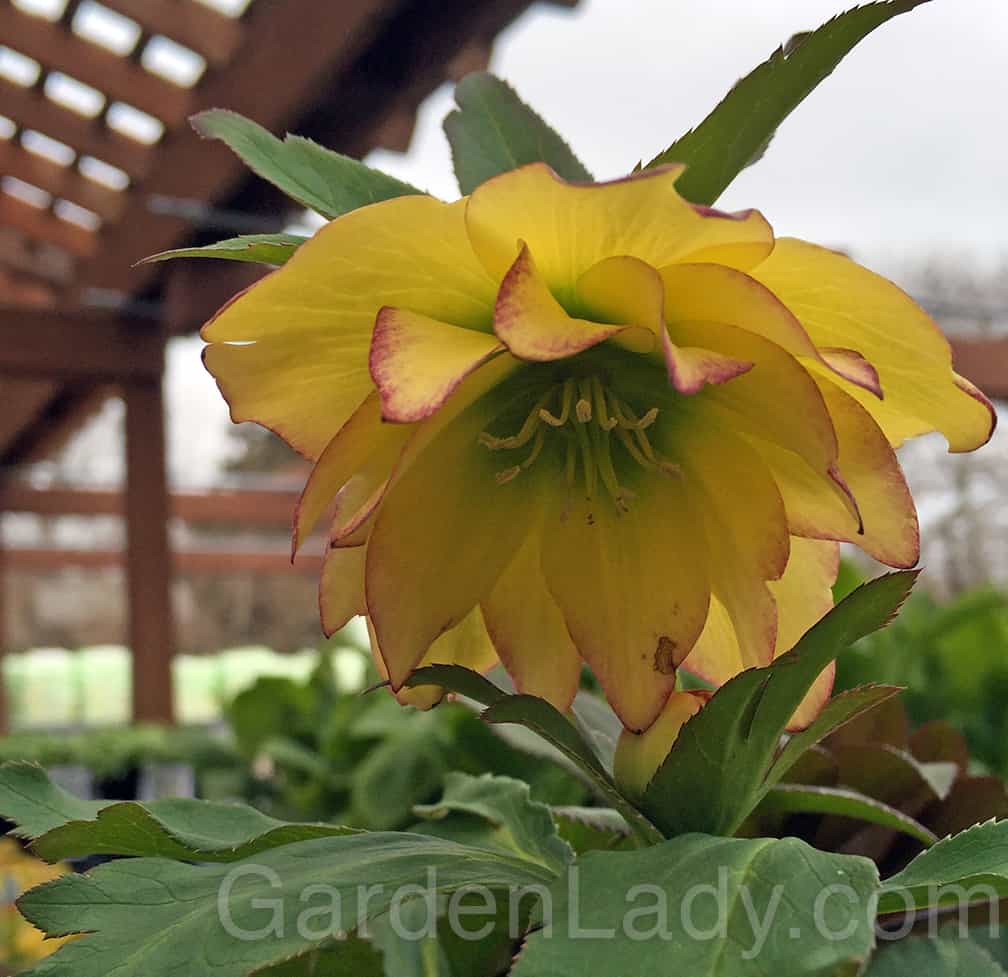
[(970, 866), (799, 799), (739, 128), (840, 710), (717, 769), (934, 957), (707, 907), (318, 178), (493, 131), (351, 957), (264, 249), (62, 826), (149, 917), (519, 824)]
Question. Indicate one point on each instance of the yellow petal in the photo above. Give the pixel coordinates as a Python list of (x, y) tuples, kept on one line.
[(445, 531), (570, 227), (888, 520), (417, 362), (639, 755), (804, 594), (528, 630), (364, 449), (341, 587), (466, 644), (747, 539), (632, 587), (841, 304), (533, 324), (308, 325)]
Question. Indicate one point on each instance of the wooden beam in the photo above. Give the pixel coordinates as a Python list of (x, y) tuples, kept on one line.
[(248, 507), (60, 181), (302, 45), (30, 108), (45, 226), (195, 288), (50, 265), (216, 561), (69, 407), (57, 49), (200, 28), (23, 403), (148, 558), (54, 344), (983, 361)]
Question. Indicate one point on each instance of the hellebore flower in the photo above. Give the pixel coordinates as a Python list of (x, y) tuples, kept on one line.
[(569, 421)]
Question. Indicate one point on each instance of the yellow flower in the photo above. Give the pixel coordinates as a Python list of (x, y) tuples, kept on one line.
[(566, 422), (23, 944)]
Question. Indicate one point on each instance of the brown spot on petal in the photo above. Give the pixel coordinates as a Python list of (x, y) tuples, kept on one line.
[(665, 656)]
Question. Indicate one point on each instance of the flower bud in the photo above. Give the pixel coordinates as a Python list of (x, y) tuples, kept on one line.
[(639, 755)]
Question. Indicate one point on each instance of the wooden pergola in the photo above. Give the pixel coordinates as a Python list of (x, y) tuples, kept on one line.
[(99, 168)]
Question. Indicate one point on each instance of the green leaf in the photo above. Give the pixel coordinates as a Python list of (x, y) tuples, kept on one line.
[(706, 907), (740, 127), (521, 825), (352, 957), (718, 767), (181, 828), (318, 178), (265, 249), (975, 859), (493, 131), (592, 828), (839, 711), (934, 957), (149, 917), (798, 799)]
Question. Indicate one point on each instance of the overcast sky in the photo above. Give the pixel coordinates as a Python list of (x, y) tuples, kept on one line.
[(903, 152)]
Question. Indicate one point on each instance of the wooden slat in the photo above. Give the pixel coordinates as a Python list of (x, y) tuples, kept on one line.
[(22, 403), (32, 110), (290, 56), (984, 362), (50, 344), (50, 265), (200, 28), (44, 226), (60, 181), (67, 410), (57, 49), (215, 561), (254, 507)]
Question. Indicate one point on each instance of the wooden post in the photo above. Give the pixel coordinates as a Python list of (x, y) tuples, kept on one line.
[(3, 639), (148, 558)]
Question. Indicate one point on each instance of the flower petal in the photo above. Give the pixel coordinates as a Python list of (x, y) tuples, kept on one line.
[(871, 471), (533, 324), (852, 366), (841, 304), (307, 326), (569, 227), (416, 362), (632, 587), (466, 644), (341, 587), (445, 531), (528, 630), (364, 449)]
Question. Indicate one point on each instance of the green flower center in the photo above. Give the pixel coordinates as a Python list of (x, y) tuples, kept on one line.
[(599, 432)]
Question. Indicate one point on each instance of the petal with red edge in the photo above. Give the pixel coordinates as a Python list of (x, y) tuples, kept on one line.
[(570, 227), (445, 531), (632, 587), (528, 630), (841, 304), (417, 362)]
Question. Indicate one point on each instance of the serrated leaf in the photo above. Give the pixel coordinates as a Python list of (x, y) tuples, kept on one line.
[(520, 825), (316, 177), (351, 957), (264, 249), (799, 799), (493, 131), (725, 752), (976, 859), (648, 916), (839, 711), (592, 828), (933, 957), (739, 128), (62, 826), (149, 917)]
